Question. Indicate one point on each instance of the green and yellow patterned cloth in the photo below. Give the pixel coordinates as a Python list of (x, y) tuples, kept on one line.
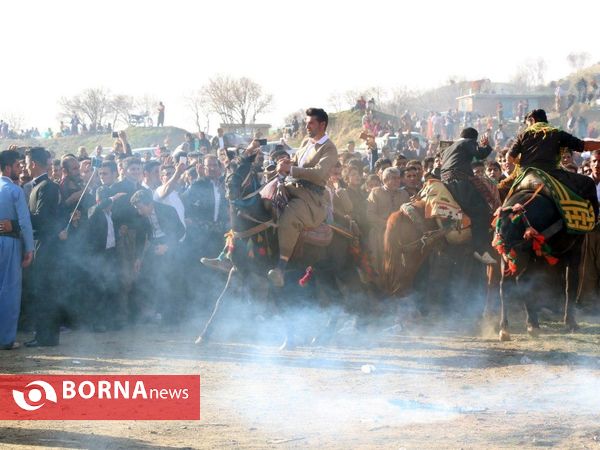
[(577, 213), (541, 127)]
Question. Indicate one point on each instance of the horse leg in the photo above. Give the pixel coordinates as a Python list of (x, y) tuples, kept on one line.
[(531, 320), (491, 299), (572, 283), (504, 291), (206, 332), (330, 290)]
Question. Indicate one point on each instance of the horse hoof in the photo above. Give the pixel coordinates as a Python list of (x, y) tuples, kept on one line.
[(504, 336), (533, 331)]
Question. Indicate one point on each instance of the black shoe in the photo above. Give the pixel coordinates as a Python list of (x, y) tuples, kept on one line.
[(36, 343)]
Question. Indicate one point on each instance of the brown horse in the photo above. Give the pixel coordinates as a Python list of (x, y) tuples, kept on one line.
[(410, 239)]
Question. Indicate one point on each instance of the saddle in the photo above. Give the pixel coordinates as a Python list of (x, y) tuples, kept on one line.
[(320, 236), (530, 181), (437, 203), (577, 213)]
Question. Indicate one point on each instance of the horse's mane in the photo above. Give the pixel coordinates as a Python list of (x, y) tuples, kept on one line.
[(392, 254)]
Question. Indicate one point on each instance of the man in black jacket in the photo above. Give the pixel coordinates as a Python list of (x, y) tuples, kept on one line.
[(467, 190), (102, 246), (162, 231), (46, 220), (206, 208), (130, 239)]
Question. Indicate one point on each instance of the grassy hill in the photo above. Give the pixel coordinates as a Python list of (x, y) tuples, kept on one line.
[(137, 136), (345, 126)]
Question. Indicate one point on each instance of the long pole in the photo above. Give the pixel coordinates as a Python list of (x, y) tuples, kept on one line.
[(80, 198)]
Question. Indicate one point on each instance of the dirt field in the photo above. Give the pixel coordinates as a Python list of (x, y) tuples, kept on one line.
[(448, 388)]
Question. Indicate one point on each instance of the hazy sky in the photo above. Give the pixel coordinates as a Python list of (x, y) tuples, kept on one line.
[(300, 51)]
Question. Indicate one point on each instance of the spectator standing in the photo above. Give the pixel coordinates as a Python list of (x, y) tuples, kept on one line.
[(16, 247), (44, 208), (160, 121)]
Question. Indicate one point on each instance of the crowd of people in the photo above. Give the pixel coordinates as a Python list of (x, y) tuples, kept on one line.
[(75, 126), (8, 132), (118, 239)]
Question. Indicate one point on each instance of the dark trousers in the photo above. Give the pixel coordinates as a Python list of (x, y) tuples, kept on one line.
[(157, 288), (105, 285), (475, 206), (44, 283)]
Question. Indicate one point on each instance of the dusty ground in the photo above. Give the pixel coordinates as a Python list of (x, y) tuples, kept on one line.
[(446, 388)]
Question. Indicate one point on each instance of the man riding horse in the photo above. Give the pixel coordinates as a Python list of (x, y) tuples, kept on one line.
[(471, 192), (539, 146), (543, 220), (307, 206)]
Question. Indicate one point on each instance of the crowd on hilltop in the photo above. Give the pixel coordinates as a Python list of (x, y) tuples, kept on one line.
[(6, 132), (76, 126)]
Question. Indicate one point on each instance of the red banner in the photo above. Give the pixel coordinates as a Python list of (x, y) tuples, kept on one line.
[(99, 397)]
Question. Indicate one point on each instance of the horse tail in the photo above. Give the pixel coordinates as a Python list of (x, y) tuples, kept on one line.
[(393, 262)]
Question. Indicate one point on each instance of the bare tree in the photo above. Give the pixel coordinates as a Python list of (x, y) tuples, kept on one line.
[(119, 107), (236, 100), (530, 74), (338, 102), (537, 69), (578, 60), (14, 120), (521, 80), (145, 104), (399, 102), (199, 107), (91, 104)]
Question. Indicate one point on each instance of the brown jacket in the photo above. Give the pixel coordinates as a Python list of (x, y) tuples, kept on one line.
[(381, 203), (317, 165)]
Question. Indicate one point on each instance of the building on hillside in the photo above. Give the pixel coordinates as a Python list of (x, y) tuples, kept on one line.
[(487, 103)]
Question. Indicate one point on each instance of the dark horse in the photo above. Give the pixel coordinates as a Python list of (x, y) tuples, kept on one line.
[(537, 252), (253, 248)]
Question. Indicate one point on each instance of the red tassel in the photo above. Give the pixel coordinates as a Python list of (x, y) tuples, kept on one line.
[(307, 276)]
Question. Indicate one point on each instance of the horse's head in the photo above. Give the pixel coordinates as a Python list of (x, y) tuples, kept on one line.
[(243, 186)]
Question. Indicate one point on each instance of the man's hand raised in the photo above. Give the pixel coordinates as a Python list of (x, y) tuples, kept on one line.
[(253, 148), (284, 166)]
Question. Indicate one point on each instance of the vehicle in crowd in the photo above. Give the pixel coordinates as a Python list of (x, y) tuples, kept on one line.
[(143, 119), (142, 151), (392, 141)]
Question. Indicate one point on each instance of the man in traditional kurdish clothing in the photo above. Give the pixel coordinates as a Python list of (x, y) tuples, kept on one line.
[(310, 168), (382, 202), (16, 247), (539, 146)]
